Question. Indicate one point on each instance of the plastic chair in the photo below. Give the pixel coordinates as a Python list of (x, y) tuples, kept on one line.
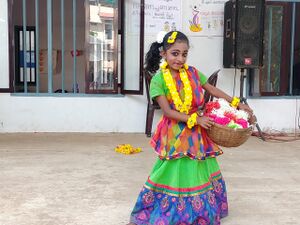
[(152, 104), (213, 78)]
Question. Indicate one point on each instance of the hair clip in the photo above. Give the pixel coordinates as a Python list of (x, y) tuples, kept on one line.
[(172, 37)]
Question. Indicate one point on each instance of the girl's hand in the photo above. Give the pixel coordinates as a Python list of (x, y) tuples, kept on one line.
[(252, 118), (205, 122), (245, 108)]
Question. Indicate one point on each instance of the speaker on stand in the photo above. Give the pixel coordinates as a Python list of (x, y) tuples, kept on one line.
[(243, 38)]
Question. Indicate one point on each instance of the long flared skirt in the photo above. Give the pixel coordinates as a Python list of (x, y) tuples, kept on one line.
[(182, 192)]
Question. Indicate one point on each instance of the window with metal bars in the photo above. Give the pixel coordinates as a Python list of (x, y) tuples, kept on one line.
[(82, 41)]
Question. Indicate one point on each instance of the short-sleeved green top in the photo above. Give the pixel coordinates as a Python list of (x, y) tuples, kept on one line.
[(158, 86)]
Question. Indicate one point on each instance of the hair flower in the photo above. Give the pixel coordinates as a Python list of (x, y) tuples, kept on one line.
[(160, 37), (172, 38)]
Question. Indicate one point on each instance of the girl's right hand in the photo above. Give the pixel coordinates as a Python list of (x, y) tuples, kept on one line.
[(205, 122)]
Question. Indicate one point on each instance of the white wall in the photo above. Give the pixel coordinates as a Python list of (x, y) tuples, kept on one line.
[(124, 114), (277, 114), (72, 114)]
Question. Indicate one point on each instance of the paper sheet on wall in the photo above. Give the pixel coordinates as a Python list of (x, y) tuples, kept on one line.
[(162, 15), (159, 15), (204, 18)]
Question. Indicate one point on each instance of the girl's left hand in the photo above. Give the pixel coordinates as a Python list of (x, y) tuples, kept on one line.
[(245, 108)]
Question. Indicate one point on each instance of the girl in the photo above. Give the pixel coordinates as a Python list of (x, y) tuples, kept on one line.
[(185, 185)]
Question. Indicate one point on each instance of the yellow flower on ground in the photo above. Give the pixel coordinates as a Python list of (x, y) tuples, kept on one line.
[(127, 149)]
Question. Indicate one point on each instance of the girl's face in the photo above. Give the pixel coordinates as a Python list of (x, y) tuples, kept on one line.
[(176, 55)]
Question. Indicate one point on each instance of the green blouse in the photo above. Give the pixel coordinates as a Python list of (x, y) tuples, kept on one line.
[(158, 86)]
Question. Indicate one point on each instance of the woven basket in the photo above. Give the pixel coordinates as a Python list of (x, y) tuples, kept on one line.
[(229, 137)]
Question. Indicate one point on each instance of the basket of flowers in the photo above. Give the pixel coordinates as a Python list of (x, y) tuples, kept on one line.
[(232, 127)]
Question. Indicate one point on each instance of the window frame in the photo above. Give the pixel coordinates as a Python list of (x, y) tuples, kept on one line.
[(285, 56), (141, 61), (114, 55), (10, 43)]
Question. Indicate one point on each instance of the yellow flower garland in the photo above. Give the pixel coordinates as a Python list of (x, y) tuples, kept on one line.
[(185, 106), (127, 149)]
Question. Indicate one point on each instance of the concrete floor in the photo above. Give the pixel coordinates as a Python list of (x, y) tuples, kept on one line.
[(78, 179)]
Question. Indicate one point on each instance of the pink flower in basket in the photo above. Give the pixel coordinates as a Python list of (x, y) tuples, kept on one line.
[(225, 115), (242, 122), (222, 120)]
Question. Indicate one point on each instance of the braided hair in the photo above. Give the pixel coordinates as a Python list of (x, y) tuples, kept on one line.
[(153, 56)]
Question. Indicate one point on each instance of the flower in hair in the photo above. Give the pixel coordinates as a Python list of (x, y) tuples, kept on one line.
[(172, 38), (160, 37)]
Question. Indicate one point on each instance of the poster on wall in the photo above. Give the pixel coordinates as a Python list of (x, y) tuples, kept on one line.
[(204, 17), (159, 15), (162, 15)]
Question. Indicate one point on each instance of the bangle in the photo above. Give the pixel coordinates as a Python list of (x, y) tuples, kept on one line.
[(235, 102), (192, 121), (200, 113)]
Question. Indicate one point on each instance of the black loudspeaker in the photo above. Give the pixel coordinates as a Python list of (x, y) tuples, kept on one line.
[(243, 33)]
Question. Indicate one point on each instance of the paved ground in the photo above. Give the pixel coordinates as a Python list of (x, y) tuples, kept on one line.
[(78, 179)]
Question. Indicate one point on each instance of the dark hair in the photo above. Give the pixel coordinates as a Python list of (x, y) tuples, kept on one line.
[(153, 56)]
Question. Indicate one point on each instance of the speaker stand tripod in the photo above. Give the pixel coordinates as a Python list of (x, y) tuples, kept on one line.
[(244, 100)]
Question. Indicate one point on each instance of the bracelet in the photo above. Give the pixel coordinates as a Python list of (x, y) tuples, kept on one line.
[(235, 102), (200, 113), (192, 121)]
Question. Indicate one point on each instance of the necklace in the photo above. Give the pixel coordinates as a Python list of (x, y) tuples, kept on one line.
[(180, 106)]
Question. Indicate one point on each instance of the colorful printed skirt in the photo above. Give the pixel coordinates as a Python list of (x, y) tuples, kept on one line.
[(182, 192)]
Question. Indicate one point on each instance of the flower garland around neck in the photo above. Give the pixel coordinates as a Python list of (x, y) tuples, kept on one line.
[(180, 106)]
